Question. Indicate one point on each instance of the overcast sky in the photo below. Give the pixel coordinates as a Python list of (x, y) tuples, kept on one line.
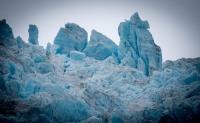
[(174, 24)]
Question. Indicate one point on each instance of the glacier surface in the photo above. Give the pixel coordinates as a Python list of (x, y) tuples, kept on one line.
[(96, 82)]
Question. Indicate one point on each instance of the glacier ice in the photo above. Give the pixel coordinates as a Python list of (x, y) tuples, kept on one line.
[(45, 68), (33, 34), (136, 41), (6, 34), (70, 38), (112, 85), (48, 50), (100, 47), (5, 30), (78, 56), (19, 42)]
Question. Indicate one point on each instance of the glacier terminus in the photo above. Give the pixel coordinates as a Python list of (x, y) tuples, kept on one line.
[(81, 80)]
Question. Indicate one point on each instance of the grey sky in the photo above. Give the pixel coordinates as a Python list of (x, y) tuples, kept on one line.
[(175, 25)]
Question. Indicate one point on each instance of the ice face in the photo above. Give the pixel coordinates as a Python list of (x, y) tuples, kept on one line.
[(48, 50), (100, 47), (5, 30), (78, 56), (136, 41), (19, 42), (6, 34), (71, 38), (38, 85), (135, 20), (33, 34)]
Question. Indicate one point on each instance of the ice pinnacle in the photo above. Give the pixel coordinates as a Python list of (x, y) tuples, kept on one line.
[(33, 34), (5, 30), (71, 38), (100, 47), (137, 46)]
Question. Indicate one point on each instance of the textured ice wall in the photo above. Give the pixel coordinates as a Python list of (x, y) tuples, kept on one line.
[(38, 85), (137, 48), (100, 47), (70, 38), (5, 30), (6, 34), (33, 34)]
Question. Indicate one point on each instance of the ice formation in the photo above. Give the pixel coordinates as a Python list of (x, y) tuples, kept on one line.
[(70, 38), (100, 47), (5, 30), (137, 48), (39, 85), (33, 34), (76, 55), (6, 34)]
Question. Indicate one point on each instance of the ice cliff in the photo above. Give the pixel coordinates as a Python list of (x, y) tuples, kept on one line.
[(74, 80), (33, 34), (100, 47), (70, 38), (6, 34), (137, 48)]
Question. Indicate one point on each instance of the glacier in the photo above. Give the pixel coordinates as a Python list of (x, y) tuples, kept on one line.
[(75, 55), (33, 34), (137, 48), (100, 47), (71, 38), (73, 80)]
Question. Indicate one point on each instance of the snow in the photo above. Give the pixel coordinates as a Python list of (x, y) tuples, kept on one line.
[(39, 85)]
